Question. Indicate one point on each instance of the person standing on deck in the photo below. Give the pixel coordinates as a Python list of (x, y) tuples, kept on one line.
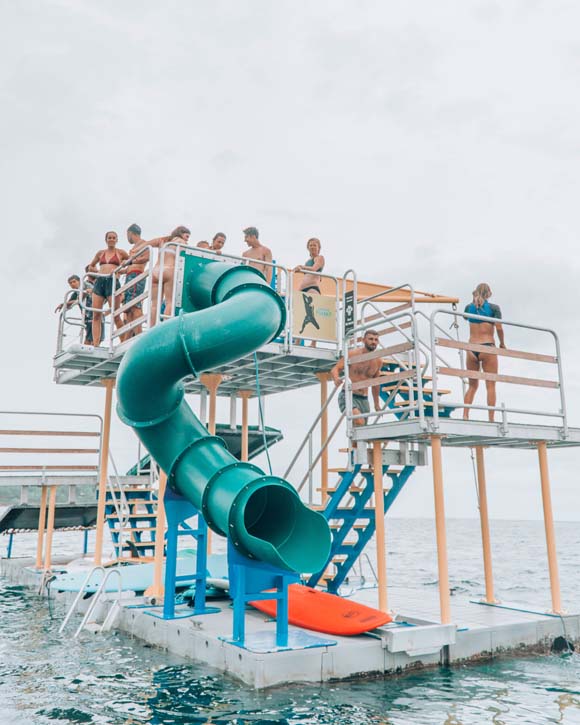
[(137, 265), (257, 252), (105, 262), (483, 333), (166, 276), (310, 281), (357, 372)]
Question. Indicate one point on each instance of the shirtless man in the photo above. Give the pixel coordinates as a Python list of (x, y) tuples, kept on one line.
[(357, 372), (136, 267), (258, 252)]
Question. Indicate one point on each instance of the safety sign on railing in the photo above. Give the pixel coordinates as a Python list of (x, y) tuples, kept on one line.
[(348, 311)]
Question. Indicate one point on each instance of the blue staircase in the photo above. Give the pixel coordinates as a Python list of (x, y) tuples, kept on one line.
[(136, 541), (349, 510)]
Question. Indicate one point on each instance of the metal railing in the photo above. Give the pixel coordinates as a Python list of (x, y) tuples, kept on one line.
[(152, 311), (463, 373), (411, 372), (415, 358), (109, 617)]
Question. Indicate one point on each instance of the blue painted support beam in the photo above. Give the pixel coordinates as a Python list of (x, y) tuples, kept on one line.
[(249, 579)]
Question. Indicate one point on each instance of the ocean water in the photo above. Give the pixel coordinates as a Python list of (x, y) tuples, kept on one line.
[(112, 679)]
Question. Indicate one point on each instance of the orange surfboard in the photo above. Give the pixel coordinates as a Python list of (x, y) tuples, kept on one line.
[(323, 612)]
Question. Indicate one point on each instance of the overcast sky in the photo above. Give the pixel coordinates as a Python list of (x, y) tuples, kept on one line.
[(431, 142)]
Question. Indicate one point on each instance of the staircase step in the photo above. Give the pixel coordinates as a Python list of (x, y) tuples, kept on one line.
[(140, 545), (356, 527), (145, 515), (132, 501), (131, 560)]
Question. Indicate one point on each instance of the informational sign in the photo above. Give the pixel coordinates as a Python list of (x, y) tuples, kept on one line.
[(314, 316), (348, 312)]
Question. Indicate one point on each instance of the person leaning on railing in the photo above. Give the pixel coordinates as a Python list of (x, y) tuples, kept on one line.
[(483, 333), (165, 277), (310, 281), (137, 264), (217, 243), (258, 253), (357, 373), (105, 262)]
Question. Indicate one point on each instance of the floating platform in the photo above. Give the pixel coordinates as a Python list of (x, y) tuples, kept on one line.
[(415, 640)]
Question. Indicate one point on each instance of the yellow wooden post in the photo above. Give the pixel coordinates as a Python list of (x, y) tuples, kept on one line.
[(324, 378), (156, 590), (50, 529), (41, 527), (380, 524), (549, 526), (444, 598), (212, 382), (484, 519), (245, 396)]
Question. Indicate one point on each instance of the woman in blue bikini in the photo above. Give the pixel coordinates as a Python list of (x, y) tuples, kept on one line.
[(483, 333)]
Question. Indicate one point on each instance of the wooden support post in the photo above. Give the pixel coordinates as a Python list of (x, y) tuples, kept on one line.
[(484, 519), (109, 384), (444, 598), (324, 378), (41, 527), (50, 529), (156, 590), (212, 382), (245, 396), (380, 524), (549, 526)]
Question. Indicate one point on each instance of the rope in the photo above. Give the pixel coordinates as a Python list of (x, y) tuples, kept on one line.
[(455, 326), (261, 412)]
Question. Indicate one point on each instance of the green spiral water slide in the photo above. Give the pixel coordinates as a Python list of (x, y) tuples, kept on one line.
[(235, 313)]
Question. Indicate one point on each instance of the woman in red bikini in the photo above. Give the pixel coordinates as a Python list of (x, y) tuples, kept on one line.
[(105, 261)]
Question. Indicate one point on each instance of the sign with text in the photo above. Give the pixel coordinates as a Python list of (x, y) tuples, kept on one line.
[(348, 312), (314, 316)]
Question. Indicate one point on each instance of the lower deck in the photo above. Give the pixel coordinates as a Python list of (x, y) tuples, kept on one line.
[(469, 433), (415, 640)]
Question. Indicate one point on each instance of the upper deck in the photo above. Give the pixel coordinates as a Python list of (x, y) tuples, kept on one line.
[(288, 362)]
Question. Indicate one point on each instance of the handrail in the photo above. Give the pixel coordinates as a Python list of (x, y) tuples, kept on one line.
[(121, 507), (309, 432), (78, 597), (416, 373), (97, 596), (501, 408), (390, 291), (411, 339), (320, 452)]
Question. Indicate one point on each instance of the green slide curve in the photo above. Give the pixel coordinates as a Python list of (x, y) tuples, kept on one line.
[(236, 312)]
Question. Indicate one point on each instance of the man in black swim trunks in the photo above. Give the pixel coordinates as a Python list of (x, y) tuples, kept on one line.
[(359, 371)]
